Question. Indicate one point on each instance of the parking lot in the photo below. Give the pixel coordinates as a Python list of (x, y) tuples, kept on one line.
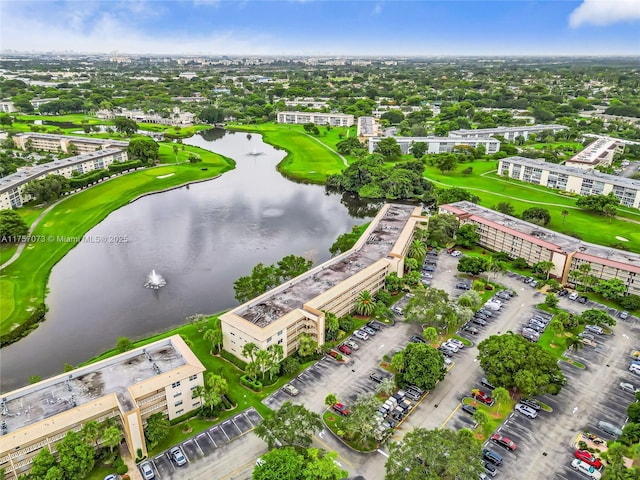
[(199, 449)]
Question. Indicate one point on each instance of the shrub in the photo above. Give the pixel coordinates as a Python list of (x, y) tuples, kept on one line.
[(122, 469), (233, 359), (253, 385), (520, 263), (118, 463), (290, 365)]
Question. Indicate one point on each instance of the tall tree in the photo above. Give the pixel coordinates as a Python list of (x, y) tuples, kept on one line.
[(143, 148), (12, 227), (290, 425), (111, 437), (501, 396), (423, 366), (417, 250), (158, 427), (75, 456), (125, 125), (91, 432), (472, 265), (537, 215), (434, 454), (467, 235), (214, 336), (544, 267), (42, 463), (365, 303), (388, 147), (442, 229), (361, 421)]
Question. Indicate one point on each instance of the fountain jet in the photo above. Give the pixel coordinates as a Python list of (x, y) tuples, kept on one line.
[(155, 280)]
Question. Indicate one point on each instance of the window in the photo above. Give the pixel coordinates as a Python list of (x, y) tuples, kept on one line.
[(175, 385), (193, 377), (179, 412), (196, 405), (175, 395), (177, 404)]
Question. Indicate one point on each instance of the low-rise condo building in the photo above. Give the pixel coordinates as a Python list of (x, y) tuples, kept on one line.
[(519, 239), (298, 306), (440, 144), (598, 153), (158, 378), (12, 187), (508, 133), (368, 127), (65, 143), (332, 119), (571, 179)]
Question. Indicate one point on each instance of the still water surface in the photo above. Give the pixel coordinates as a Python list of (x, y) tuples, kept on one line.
[(200, 238)]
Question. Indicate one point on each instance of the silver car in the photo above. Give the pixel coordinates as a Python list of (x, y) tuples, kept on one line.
[(361, 335), (147, 470)]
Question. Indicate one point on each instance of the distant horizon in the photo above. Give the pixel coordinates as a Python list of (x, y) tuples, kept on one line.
[(380, 28)]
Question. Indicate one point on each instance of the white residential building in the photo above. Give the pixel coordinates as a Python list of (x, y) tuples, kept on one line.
[(570, 179), (509, 133), (440, 144), (333, 119), (601, 152), (368, 127)]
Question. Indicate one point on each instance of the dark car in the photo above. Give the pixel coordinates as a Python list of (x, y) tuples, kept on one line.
[(429, 269), (491, 456), (479, 321), (375, 325), (530, 403), (583, 299), (463, 286), (470, 409), (563, 292), (490, 468), (446, 351), (486, 311), (376, 377), (470, 329), (481, 315), (486, 383), (417, 339)]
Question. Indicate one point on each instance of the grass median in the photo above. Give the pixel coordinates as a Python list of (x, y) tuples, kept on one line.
[(24, 281)]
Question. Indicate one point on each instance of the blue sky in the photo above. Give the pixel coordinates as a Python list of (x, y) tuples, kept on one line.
[(314, 27)]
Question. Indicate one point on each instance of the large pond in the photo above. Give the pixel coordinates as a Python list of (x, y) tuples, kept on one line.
[(200, 238)]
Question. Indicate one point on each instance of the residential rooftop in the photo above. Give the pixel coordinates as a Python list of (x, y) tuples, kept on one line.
[(562, 242), (574, 171), (311, 284), (498, 130), (27, 174), (89, 140), (595, 151), (51, 397)]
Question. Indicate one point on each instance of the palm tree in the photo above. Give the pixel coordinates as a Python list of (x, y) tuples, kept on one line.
[(564, 214), (481, 418), (365, 304), (574, 343), (387, 386), (111, 437), (91, 432), (330, 400), (417, 249), (501, 395), (545, 267), (575, 276), (556, 326), (213, 335), (411, 265)]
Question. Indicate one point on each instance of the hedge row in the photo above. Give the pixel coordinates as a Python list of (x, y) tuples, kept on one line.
[(25, 328), (247, 382)]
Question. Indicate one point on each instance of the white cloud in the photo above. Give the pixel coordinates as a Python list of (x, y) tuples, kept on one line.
[(604, 12), (377, 9)]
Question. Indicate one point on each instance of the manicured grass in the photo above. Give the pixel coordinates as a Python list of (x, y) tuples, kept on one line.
[(466, 342), (6, 252), (334, 422), (492, 189), (307, 160), (99, 472), (74, 216), (184, 151), (496, 415)]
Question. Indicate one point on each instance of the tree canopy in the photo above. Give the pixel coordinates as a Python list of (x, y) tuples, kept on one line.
[(472, 265), (12, 227), (467, 235), (513, 362), (423, 366), (598, 203), (290, 463), (435, 454), (290, 425), (143, 148), (537, 215), (442, 229)]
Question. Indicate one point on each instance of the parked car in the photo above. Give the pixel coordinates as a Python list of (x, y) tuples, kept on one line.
[(588, 458), (486, 383), (447, 351), (594, 329), (623, 315), (178, 456), (352, 345), (451, 346), (344, 349), (112, 476), (290, 390), (417, 339), (586, 469), (585, 336), (482, 397), (633, 368), (490, 468), (463, 286), (479, 321), (375, 325), (583, 299), (491, 456), (260, 462), (526, 410), (470, 409), (533, 283), (563, 292), (456, 342), (609, 428), (481, 315), (376, 377), (361, 335), (368, 330), (147, 470), (429, 269), (573, 296), (530, 403), (341, 409), (486, 312), (456, 253), (628, 387), (503, 441), (470, 329)]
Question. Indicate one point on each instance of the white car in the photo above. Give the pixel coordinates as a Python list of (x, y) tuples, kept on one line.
[(352, 345), (627, 387), (586, 469), (451, 346), (573, 296), (634, 368), (147, 470), (526, 411), (456, 253), (456, 342), (361, 335)]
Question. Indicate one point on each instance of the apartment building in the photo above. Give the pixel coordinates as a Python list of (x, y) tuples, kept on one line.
[(440, 144), (130, 387), (176, 118), (308, 102), (332, 119), (509, 133), (520, 239), (571, 179), (12, 194), (598, 153), (64, 143), (368, 127), (298, 306)]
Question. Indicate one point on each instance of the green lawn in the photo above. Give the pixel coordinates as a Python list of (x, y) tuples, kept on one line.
[(73, 217), (496, 415), (492, 189), (308, 160)]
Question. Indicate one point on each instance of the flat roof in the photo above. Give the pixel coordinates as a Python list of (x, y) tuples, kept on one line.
[(96, 141), (317, 113), (593, 152), (439, 139), (26, 174), (306, 287), (548, 238), (495, 130), (574, 171), (56, 395)]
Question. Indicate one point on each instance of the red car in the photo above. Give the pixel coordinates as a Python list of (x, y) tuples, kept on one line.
[(344, 349), (341, 409), (587, 457), (503, 441), (482, 397)]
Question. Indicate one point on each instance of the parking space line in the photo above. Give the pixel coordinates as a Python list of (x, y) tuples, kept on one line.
[(223, 430), (248, 419), (450, 416), (212, 440), (198, 445)]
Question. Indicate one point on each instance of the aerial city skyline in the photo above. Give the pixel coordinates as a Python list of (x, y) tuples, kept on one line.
[(578, 27)]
